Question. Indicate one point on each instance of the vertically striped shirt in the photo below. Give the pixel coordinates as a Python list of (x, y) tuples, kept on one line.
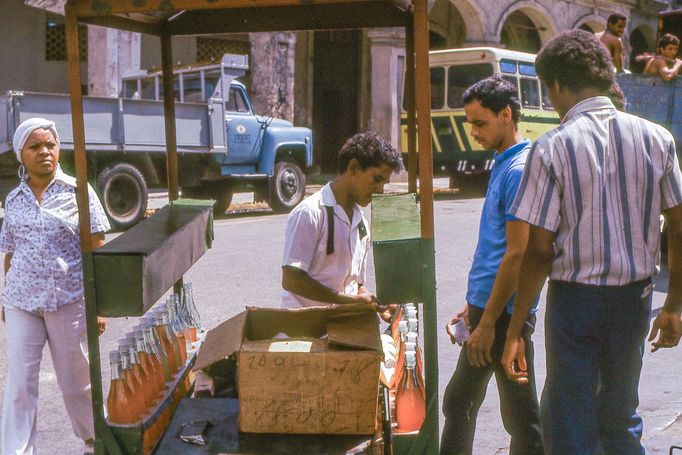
[(600, 181)]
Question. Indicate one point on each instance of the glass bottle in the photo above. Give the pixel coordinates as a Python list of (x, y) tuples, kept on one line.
[(166, 344), (176, 328), (147, 360), (400, 364), (141, 373), (412, 337), (184, 326), (120, 409), (154, 344), (195, 322), (162, 318), (137, 395), (410, 404)]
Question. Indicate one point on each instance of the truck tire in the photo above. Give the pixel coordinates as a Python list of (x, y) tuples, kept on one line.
[(287, 186), (124, 194)]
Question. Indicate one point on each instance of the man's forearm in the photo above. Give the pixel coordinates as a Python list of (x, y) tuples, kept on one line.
[(503, 287), (300, 283), (534, 270), (673, 301)]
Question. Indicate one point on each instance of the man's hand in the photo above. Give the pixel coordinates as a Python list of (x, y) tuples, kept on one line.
[(514, 360), (668, 327), (386, 311), (101, 324), (480, 344), (367, 298)]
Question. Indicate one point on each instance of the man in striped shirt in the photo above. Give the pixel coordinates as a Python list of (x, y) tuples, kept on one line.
[(593, 190)]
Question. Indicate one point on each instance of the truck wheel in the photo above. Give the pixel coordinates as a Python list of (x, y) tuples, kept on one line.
[(287, 186), (124, 194)]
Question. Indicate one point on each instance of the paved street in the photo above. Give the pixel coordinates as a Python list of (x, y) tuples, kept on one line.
[(243, 269)]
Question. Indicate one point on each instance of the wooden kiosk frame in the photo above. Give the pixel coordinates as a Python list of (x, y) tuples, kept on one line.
[(165, 18)]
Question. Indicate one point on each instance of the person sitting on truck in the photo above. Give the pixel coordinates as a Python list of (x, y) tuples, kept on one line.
[(493, 110), (327, 236), (612, 39), (43, 295), (665, 63)]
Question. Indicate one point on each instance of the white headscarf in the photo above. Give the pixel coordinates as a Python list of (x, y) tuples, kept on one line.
[(26, 128)]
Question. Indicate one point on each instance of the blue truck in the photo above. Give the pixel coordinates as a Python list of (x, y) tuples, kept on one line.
[(223, 146)]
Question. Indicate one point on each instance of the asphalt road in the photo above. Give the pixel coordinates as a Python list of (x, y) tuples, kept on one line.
[(243, 268)]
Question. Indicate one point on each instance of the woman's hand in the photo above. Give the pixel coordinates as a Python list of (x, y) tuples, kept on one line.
[(101, 324)]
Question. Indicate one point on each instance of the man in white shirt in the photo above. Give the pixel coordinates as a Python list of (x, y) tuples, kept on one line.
[(327, 236)]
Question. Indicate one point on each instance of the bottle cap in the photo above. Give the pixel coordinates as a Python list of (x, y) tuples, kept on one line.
[(412, 337), (123, 344), (413, 324), (114, 356)]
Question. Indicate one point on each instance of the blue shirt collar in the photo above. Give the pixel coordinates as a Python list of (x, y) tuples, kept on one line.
[(511, 151)]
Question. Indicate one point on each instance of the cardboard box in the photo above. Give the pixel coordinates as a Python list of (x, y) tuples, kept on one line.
[(322, 377)]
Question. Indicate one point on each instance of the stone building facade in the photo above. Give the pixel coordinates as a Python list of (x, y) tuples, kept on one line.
[(336, 82)]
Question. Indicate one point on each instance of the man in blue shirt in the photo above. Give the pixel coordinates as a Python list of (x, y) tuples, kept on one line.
[(493, 110)]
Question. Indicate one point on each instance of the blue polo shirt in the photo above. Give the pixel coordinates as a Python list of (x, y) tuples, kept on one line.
[(492, 239)]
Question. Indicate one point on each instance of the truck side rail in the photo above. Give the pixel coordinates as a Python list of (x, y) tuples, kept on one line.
[(115, 124)]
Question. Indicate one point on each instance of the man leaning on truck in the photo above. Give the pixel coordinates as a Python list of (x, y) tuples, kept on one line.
[(327, 236)]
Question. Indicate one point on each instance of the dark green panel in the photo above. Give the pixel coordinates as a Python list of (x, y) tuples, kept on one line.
[(135, 269), (396, 242)]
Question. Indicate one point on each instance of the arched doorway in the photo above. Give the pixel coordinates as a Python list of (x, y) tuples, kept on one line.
[(639, 44), (447, 27), (520, 33)]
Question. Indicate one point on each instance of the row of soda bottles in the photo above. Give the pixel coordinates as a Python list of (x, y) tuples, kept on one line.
[(146, 365), (407, 382)]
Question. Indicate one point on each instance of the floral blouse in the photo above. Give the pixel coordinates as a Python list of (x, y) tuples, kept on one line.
[(46, 269)]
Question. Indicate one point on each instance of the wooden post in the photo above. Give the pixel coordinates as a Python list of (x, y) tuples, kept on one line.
[(104, 439), (169, 113), (410, 108)]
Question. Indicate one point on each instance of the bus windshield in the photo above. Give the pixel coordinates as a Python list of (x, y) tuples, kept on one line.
[(461, 77)]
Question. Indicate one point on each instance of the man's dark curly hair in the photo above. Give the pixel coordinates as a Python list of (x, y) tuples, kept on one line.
[(667, 40), (615, 18), (371, 150), (576, 60), (495, 93)]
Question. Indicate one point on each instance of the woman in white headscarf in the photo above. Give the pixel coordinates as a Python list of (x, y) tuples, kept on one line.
[(43, 295)]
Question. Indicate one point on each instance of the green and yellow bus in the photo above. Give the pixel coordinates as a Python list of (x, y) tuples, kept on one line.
[(452, 72)]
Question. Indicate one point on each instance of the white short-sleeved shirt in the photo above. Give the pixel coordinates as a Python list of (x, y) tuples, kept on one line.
[(306, 247), (43, 238)]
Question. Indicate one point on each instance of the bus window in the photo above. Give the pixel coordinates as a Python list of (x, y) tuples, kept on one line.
[(461, 77), (546, 102), (437, 87), (508, 66), (236, 101), (527, 69), (530, 93)]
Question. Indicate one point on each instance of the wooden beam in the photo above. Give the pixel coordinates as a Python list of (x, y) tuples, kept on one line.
[(124, 23), (309, 17), (84, 8)]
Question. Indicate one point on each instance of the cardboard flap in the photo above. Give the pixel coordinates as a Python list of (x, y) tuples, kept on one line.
[(221, 341), (355, 330)]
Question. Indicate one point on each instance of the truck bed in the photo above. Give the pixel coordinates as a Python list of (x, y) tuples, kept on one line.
[(116, 124)]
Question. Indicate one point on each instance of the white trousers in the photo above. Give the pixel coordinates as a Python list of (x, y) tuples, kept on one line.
[(26, 334)]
